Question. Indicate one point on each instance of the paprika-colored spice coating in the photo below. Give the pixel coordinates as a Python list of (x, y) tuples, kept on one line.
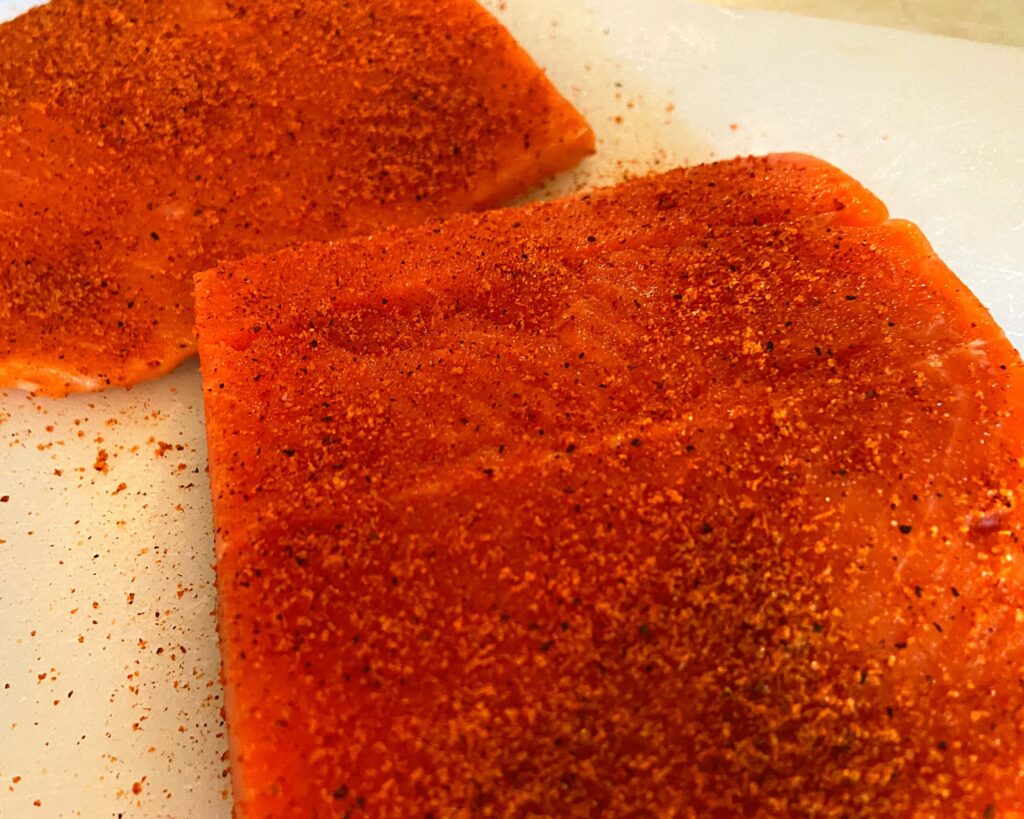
[(713, 521), (145, 141)]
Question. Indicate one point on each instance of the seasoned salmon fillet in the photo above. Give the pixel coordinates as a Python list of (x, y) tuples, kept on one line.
[(669, 499), (146, 141)]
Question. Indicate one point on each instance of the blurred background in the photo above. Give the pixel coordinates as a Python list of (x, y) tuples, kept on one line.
[(989, 21)]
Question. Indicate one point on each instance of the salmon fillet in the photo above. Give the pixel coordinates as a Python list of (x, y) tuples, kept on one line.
[(676, 498), (146, 141)]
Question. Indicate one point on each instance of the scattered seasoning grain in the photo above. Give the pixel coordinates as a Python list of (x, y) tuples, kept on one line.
[(100, 464)]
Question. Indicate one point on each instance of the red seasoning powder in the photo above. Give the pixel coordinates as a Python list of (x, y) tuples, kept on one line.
[(697, 494), (146, 141)]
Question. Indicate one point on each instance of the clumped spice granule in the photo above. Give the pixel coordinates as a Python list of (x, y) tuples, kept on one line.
[(699, 493), (145, 141)]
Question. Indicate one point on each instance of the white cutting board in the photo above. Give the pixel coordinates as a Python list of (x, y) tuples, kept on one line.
[(108, 659)]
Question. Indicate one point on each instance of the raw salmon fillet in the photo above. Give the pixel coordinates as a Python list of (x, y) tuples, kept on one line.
[(696, 496), (145, 141)]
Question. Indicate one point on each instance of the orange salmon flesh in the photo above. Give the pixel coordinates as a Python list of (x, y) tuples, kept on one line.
[(146, 141), (697, 495)]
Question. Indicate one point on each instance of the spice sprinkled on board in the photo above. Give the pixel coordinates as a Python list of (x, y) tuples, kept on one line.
[(97, 569)]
